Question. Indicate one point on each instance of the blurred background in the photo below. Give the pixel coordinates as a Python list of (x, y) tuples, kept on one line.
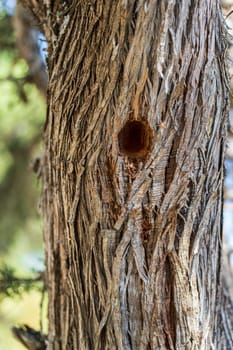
[(22, 114)]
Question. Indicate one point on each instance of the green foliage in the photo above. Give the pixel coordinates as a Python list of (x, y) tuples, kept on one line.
[(20, 133), (11, 285), (7, 38)]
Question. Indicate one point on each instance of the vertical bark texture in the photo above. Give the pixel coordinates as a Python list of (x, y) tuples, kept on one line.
[(133, 174)]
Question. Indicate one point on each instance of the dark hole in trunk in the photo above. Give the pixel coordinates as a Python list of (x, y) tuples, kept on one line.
[(135, 139)]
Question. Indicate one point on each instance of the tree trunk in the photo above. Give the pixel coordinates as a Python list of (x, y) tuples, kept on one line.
[(133, 175)]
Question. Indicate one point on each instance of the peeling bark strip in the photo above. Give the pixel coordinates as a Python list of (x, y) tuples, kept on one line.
[(133, 181)]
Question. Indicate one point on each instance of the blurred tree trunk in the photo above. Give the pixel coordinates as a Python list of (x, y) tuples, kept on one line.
[(133, 174), (26, 34)]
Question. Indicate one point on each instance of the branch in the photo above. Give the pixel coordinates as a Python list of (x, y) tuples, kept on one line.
[(30, 338), (11, 285), (37, 7)]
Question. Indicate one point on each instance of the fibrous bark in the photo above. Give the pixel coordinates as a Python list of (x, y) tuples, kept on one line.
[(133, 174)]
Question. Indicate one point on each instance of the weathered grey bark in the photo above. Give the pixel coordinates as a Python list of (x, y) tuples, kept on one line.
[(135, 134)]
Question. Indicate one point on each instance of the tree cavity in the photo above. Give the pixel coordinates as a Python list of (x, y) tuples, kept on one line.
[(135, 139)]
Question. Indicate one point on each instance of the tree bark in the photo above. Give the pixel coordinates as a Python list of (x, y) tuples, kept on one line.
[(133, 174)]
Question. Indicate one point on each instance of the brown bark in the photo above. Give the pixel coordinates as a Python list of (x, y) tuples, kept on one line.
[(133, 175)]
